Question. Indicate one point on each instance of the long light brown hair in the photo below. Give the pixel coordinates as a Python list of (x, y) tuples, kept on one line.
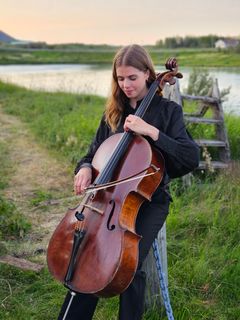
[(133, 56)]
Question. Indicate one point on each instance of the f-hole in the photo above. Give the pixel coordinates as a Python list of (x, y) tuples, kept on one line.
[(112, 227)]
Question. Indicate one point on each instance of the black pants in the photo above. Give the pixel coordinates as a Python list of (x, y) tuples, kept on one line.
[(150, 219)]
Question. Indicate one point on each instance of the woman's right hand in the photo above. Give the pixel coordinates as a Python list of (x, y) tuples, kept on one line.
[(82, 179)]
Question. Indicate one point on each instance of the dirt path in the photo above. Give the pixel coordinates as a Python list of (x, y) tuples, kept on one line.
[(35, 175)]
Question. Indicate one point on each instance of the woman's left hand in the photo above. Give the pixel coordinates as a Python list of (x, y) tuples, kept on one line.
[(138, 125)]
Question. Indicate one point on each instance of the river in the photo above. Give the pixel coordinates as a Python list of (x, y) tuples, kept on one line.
[(96, 80)]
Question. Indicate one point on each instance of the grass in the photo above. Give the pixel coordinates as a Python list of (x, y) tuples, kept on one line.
[(28, 295), (233, 128), (5, 166), (204, 267), (203, 225), (12, 223), (186, 57)]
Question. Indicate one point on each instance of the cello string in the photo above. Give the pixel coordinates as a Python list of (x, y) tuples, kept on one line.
[(111, 164), (147, 99)]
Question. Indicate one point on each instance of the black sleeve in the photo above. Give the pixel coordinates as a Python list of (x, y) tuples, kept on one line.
[(180, 151), (101, 135)]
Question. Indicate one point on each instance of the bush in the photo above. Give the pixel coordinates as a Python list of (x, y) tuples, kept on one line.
[(200, 84)]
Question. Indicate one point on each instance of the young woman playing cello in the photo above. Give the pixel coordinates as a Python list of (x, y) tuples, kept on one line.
[(163, 127)]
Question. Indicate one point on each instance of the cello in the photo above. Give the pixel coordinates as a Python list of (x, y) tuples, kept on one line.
[(94, 249)]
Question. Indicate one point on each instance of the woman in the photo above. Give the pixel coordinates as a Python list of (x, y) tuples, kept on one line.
[(163, 126)]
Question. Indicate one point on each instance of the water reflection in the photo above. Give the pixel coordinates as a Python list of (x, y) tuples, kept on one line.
[(67, 78), (96, 80)]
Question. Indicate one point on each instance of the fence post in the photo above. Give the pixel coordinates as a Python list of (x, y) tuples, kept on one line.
[(221, 130), (153, 291)]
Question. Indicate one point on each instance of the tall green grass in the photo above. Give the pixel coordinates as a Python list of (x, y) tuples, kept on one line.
[(203, 249), (233, 129), (203, 225)]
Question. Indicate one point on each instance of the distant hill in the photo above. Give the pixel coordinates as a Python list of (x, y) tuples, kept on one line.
[(4, 37)]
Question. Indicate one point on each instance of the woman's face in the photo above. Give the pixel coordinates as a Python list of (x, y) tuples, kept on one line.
[(132, 82)]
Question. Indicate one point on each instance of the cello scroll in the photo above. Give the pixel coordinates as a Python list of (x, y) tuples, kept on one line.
[(170, 75)]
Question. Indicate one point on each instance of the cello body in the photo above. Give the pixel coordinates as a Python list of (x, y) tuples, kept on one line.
[(107, 258)]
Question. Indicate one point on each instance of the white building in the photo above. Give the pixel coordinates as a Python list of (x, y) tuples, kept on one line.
[(226, 43)]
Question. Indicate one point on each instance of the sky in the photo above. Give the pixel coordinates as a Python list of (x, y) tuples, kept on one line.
[(119, 22)]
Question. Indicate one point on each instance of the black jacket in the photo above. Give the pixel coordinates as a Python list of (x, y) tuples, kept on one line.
[(181, 153)]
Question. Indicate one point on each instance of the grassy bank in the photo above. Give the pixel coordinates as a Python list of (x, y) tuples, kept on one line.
[(186, 57), (203, 232)]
